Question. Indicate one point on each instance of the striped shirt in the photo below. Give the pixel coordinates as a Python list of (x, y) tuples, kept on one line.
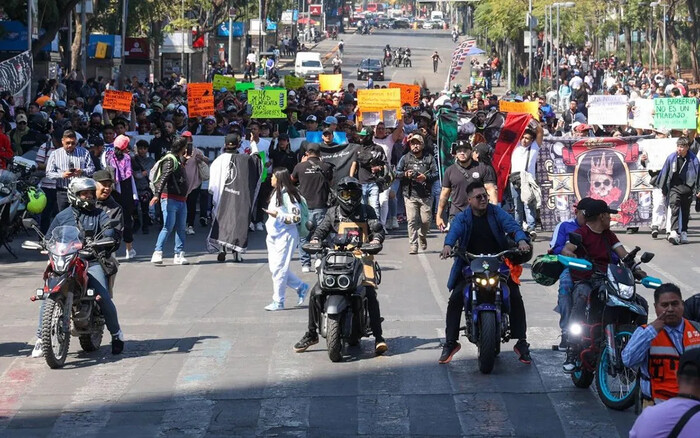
[(45, 151), (61, 161)]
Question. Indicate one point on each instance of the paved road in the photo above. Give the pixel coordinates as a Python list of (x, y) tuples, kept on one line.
[(204, 359)]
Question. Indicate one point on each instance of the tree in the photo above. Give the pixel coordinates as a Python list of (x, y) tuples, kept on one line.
[(694, 33)]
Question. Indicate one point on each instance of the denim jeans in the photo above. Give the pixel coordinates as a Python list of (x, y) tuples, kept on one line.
[(521, 209), (370, 196), (564, 300), (97, 280), (396, 205), (174, 217), (316, 215)]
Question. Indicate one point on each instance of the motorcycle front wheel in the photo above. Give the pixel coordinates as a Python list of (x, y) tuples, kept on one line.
[(618, 391), (334, 340), (54, 339), (582, 378), (488, 341), (93, 341)]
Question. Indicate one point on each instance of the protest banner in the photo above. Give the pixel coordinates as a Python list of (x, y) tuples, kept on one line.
[(370, 118), (606, 168), (243, 86), (339, 137), (379, 99), (642, 114), (330, 82), (607, 110), (293, 82), (200, 99), (675, 113), (657, 150), (268, 104), (520, 107), (117, 100), (221, 81), (410, 94), (389, 117)]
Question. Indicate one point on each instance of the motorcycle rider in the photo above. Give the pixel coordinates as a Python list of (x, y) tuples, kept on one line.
[(482, 228), (348, 209), (105, 185), (387, 54), (455, 34), (337, 62), (84, 214)]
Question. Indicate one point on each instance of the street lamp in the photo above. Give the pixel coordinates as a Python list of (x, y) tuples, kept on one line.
[(665, 6), (559, 5)]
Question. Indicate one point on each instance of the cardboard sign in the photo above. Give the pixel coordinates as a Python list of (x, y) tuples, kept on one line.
[(118, 100), (221, 81), (330, 82), (268, 104), (532, 108), (675, 113), (371, 118), (410, 94), (293, 82), (389, 118), (200, 99), (243, 86), (607, 110), (379, 99), (101, 50), (657, 150), (643, 114)]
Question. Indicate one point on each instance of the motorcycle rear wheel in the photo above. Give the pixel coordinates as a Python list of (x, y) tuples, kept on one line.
[(334, 341), (54, 340), (488, 341), (627, 380), (92, 342)]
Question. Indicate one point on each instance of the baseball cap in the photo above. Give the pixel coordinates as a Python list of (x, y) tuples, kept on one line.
[(595, 207), (186, 134), (313, 147), (583, 203), (121, 142), (416, 137), (311, 118), (232, 138), (364, 132), (330, 120), (21, 118), (102, 175), (690, 363)]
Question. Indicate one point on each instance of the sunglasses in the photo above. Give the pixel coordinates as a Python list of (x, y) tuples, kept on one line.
[(21, 123), (481, 196), (605, 183)]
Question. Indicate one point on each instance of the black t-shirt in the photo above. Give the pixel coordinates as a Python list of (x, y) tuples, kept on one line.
[(286, 158), (482, 240), (367, 157), (457, 179), (314, 178)]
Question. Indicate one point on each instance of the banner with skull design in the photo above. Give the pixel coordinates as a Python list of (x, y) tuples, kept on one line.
[(606, 168), (16, 73)]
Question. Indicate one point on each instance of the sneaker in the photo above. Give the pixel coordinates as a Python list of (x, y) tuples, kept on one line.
[(221, 257), (413, 250), (564, 343), (394, 222), (302, 292), (274, 306), (130, 254), (190, 231), (259, 227), (306, 269), (654, 232), (684, 237), (180, 259), (380, 346), (423, 243), (448, 351), (522, 349), (569, 365), (673, 238), (251, 227), (203, 221), (309, 339), (157, 257), (37, 352), (533, 235), (118, 343)]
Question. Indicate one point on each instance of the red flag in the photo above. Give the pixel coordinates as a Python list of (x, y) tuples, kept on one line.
[(512, 130)]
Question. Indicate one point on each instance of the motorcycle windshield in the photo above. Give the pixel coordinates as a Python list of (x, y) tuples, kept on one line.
[(7, 178), (620, 275), (65, 240)]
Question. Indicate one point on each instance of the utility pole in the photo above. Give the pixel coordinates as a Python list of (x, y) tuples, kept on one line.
[(125, 13), (30, 26), (529, 35), (182, 48), (83, 39), (231, 12)]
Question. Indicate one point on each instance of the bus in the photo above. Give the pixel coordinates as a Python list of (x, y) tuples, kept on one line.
[(375, 7)]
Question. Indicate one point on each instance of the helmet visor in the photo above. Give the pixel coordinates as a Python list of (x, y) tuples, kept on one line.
[(349, 195)]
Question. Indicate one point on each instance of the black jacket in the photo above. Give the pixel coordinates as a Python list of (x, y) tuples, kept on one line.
[(172, 180), (334, 216)]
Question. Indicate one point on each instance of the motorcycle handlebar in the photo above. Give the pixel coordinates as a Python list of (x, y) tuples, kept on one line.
[(467, 255)]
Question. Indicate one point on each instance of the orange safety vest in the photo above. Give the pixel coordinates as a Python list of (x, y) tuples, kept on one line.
[(664, 361)]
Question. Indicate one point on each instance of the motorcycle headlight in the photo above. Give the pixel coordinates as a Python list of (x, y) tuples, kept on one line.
[(492, 281), (329, 281), (625, 291), (343, 281), (61, 263)]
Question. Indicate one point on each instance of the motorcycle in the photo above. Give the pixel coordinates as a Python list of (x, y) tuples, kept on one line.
[(455, 37), (486, 303), (337, 69), (386, 61), (345, 271), (66, 293), (15, 185), (407, 61), (612, 314)]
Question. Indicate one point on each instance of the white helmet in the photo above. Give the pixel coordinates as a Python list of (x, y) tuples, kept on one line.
[(78, 185)]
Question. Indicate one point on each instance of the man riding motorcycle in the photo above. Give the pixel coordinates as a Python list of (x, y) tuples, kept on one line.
[(337, 62), (91, 221), (348, 209)]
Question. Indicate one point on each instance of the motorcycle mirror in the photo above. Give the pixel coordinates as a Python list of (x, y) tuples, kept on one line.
[(576, 239), (29, 223), (647, 256), (32, 246), (309, 225)]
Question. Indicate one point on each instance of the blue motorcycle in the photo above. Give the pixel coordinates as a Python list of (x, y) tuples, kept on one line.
[(486, 303)]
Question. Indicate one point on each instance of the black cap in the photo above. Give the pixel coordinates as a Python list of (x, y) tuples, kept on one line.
[(234, 139), (583, 203), (690, 363), (313, 147), (284, 136), (596, 207), (102, 175)]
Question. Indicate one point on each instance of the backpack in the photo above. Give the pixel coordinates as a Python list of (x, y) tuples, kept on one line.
[(155, 171), (546, 269)]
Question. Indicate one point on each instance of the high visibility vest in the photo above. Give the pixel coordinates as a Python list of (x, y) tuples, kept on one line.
[(664, 360)]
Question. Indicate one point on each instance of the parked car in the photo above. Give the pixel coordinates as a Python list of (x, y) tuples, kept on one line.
[(428, 24), (401, 23), (370, 68)]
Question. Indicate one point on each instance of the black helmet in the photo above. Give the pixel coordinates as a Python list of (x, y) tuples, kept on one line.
[(78, 185), (460, 144), (349, 193)]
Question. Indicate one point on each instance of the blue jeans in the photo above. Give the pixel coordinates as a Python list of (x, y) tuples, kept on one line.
[(435, 193), (497, 77), (564, 300), (370, 196), (174, 217), (316, 216), (97, 280), (521, 209), (396, 205)]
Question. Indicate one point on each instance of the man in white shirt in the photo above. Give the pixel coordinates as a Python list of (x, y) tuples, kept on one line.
[(576, 81), (524, 159)]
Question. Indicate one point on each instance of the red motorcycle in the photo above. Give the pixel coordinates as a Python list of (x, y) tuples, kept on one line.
[(66, 293)]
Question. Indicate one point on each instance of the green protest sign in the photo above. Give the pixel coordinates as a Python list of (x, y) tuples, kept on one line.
[(243, 86), (268, 104), (221, 81), (675, 113), (293, 82)]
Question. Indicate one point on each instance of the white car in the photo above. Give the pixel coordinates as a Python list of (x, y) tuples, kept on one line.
[(428, 24)]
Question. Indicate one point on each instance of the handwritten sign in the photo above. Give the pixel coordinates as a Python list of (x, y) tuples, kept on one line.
[(221, 81), (520, 107), (268, 104), (200, 99), (293, 82), (243, 86), (379, 99), (675, 113), (657, 151), (642, 114), (410, 94), (330, 82), (607, 110), (117, 100)]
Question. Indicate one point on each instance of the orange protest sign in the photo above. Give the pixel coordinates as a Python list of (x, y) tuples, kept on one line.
[(520, 107), (330, 82), (117, 100), (200, 99), (410, 94)]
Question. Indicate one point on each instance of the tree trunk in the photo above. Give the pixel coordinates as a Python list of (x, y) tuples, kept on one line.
[(76, 48), (628, 44), (52, 30), (673, 45), (694, 35)]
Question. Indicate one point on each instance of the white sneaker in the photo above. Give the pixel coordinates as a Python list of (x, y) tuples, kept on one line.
[(259, 226), (251, 227), (180, 259), (673, 238), (157, 257), (684, 237), (394, 223), (190, 231), (306, 269), (130, 254), (37, 351)]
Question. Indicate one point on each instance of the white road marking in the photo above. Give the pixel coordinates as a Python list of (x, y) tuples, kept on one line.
[(440, 299), (179, 293), (668, 277)]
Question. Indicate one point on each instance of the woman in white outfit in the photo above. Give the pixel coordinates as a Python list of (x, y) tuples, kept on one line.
[(284, 215)]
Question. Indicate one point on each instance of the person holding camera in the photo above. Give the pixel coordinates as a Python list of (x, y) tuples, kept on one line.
[(417, 172)]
